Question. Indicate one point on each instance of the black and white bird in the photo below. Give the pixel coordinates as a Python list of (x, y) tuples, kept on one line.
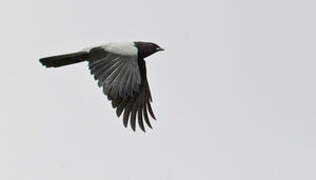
[(120, 69)]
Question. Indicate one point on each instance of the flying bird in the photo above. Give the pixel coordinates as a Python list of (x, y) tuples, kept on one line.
[(120, 69)]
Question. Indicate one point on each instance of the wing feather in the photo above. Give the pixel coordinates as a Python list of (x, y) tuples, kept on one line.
[(146, 116), (125, 117), (133, 120), (140, 119)]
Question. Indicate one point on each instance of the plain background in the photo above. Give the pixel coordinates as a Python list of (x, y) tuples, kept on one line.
[(234, 92)]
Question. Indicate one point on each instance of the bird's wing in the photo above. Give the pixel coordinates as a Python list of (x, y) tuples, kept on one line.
[(118, 74), (124, 80)]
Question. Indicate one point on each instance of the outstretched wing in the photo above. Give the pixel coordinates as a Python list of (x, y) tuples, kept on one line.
[(123, 78)]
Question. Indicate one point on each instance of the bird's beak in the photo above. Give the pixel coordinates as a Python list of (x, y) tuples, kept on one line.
[(160, 49)]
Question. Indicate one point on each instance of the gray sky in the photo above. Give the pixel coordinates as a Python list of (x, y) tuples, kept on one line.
[(234, 92)]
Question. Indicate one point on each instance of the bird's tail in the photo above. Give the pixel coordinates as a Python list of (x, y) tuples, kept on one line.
[(66, 59)]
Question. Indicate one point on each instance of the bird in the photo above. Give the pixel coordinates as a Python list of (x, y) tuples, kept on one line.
[(120, 70)]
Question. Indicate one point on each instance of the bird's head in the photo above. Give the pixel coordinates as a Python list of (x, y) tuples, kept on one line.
[(146, 49)]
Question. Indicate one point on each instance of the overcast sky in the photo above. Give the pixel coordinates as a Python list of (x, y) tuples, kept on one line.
[(234, 92)]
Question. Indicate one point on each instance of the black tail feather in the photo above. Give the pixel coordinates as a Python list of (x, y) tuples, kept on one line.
[(66, 59)]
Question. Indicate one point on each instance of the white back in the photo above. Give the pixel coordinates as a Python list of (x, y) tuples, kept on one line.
[(121, 48)]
